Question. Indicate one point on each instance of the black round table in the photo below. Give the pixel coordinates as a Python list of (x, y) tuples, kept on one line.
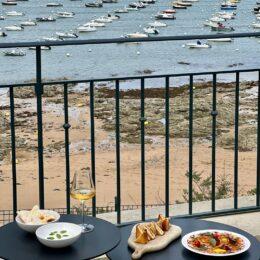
[(16, 244), (176, 251)]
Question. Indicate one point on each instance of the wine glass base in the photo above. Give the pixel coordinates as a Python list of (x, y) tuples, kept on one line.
[(86, 228)]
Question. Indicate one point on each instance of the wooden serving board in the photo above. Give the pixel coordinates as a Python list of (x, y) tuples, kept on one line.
[(159, 243)]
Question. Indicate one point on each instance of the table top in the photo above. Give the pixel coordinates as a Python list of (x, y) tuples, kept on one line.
[(16, 244), (176, 251)]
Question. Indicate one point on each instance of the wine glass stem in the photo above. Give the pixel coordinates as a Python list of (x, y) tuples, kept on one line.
[(83, 211)]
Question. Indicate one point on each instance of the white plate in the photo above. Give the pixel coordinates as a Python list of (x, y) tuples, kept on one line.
[(187, 236), (74, 232)]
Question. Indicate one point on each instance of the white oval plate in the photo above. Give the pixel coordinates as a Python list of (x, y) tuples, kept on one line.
[(187, 236)]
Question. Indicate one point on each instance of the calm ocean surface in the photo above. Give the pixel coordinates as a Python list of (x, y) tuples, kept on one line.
[(125, 59)]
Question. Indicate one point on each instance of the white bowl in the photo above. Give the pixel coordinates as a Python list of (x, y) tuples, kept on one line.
[(31, 228), (73, 231)]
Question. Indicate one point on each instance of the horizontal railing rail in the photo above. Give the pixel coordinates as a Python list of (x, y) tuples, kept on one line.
[(128, 40), (40, 84)]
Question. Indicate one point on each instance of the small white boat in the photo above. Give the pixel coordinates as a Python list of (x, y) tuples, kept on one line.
[(109, 1), (256, 25), (14, 28), (14, 13), (157, 24), (3, 34), (221, 40), (50, 39), (131, 9), (151, 30), (65, 14), (94, 4), (86, 29), (9, 2), (210, 23), (28, 23), (43, 48), (163, 16), (227, 16), (103, 19), (137, 5), (222, 28), (66, 35), (198, 45), (168, 11), (2, 17), (94, 24), (149, 1), (122, 10), (217, 19), (136, 35), (181, 3), (113, 17), (54, 5), (15, 52), (46, 19)]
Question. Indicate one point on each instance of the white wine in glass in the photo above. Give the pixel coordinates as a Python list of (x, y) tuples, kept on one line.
[(82, 189)]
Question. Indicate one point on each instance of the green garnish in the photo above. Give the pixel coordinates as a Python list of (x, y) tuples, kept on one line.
[(58, 236)]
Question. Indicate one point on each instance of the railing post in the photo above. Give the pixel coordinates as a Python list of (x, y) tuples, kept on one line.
[(12, 126), (213, 155), (66, 127), (167, 132), (118, 179), (258, 147), (39, 92), (190, 143), (236, 142), (92, 139), (143, 120)]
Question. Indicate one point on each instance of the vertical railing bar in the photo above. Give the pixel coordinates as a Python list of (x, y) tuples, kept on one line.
[(118, 179), (92, 139), (39, 92), (236, 142), (213, 156), (258, 146), (167, 193), (12, 125), (190, 142), (66, 127), (142, 150)]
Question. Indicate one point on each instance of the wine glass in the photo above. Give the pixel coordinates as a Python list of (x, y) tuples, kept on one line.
[(82, 189)]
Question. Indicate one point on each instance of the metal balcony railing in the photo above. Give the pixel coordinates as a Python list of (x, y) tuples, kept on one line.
[(40, 85)]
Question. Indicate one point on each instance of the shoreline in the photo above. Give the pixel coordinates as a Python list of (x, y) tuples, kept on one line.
[(54, 160)]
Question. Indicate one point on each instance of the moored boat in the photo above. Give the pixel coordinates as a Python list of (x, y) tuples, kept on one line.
[(15, 52), (14, 28), (163, 16), (198, 45), (65, 14), (94, 24), (66, 35), (94, 5), (220, 40), (45, 19), (222, 28), (14, 13), (9, 2), (157, 24), (136, 35), (54, 5), (88, 28), (28, 23), (151, 30), (123, 10)]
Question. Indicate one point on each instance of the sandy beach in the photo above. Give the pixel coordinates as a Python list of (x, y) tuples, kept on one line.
[(54, 159)]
